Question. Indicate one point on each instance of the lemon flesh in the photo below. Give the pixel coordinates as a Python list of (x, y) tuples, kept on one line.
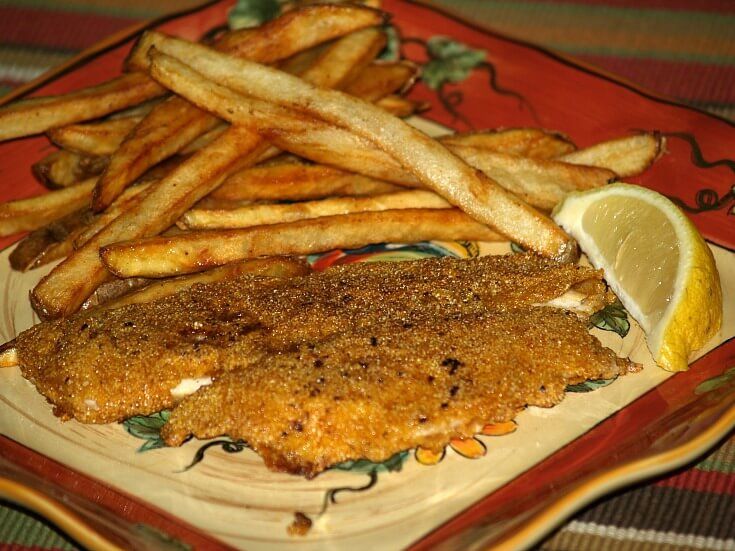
[(655, 260)]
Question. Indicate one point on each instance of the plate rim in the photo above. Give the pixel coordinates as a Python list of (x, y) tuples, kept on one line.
[(542, 522)]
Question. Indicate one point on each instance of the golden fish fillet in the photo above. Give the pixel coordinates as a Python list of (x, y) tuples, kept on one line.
[(103, 366), (379, 390)]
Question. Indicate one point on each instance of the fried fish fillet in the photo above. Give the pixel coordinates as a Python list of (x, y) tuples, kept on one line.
[(382, 389), (108, 365)]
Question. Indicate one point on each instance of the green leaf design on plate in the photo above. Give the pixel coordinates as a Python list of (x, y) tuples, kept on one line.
[(612, 317), (392, 50), (391, 465), (716, 382), (251, 13), (516, 248), (589, 386), (451, 61), (148, 428)]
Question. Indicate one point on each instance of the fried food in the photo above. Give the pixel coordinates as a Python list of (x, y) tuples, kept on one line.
[(100, 138), (50, 242), (111, 364), (388, 387), (431, 163), (263, 214), (172, 125), (297, 182), (627, 156), (63, 168), (190, 252), (272, 266), (32, 213), (535, 143), (67, 286), (37, 115), (541, 183)]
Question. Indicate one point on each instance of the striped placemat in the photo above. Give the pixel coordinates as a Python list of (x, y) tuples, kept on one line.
[(681, 48)]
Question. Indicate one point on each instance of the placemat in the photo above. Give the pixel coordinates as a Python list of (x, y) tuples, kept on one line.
[(681, 48)]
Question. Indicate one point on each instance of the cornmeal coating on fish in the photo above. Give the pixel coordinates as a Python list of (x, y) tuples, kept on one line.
[(108, 365), (379, 390)]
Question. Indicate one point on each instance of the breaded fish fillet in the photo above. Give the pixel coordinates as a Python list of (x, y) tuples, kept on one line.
[(382, 389), (106, 366)]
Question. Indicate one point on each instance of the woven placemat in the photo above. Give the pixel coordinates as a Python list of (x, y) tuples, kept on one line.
[(681, 48)]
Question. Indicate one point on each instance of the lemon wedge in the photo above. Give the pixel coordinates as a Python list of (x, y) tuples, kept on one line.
[(655, 260)]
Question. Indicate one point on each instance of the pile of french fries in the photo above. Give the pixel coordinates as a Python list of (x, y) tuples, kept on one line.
[(285, 139)]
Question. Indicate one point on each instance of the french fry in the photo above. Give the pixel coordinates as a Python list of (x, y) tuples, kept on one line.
[(175, 123), (268, 267), (139, 110), (347, 58), (380, 79), (69, 284), (298, 63), (526, 142), (628, 156), (64, 168), (30, 214), (101, 138), (113, 289), (299, 30), (37, 115), (428, 160), (161, 134), (264, 214), (399, 106), (541, 183), (196, 251), (127, 200), (205, 139), (51, 242), (297, 182)]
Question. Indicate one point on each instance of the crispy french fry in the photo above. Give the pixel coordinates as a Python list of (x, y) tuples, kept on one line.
[(69, 284), (165, 130), (526, 142), (628, 156), (205, 139), (399, 106), (30, 214), (297, 182), (37, 115), (428, 160), (540, 182), (176, 123), (64, 168), (113, 289), (347, 58), (51, 242), (269, 267), (298, 30), (264, 214), (139, 110), (298, 63), (380, 79), (101, 138), (197, 251), (129, 198)]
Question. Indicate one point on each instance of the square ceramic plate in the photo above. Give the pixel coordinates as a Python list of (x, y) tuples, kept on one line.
[(117, 487)]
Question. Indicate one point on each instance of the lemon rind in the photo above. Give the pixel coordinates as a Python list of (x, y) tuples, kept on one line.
[(672, 340)]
